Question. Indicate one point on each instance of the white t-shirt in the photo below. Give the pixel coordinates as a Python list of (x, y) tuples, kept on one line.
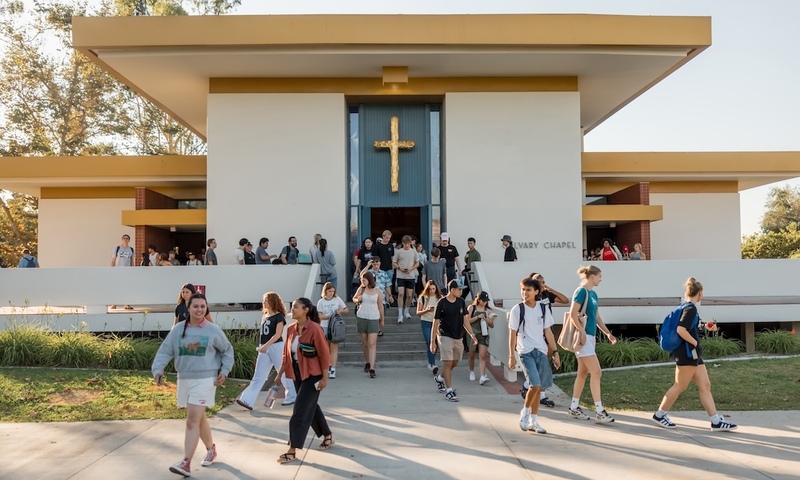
[(238, 256), (329, 307), (532, 337)]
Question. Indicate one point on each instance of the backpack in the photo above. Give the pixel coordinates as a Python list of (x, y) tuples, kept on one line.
[(668, 338), (133, 253), (336, 329), (521, 306)]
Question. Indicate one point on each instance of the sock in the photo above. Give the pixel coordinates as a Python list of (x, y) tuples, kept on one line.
[(660, 413), (448, 390), (526, 385), (525, 411), (716, 419), (399, 311), (574, 404), (534, 417), (598, 407), (542, 395), (439, 378)]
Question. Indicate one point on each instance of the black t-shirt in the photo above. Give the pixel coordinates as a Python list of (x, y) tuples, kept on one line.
[(182, 312), (550, 298), (385, 253), (451, 317), (249, 258), (687, 321), (449, 254), (268, 327), (365, 256), (511, 254)]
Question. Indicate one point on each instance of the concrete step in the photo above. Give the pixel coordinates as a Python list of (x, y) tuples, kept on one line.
[(401, 343)]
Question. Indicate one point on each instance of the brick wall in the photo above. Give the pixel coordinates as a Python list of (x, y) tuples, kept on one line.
[(633, 232), (145, 234)]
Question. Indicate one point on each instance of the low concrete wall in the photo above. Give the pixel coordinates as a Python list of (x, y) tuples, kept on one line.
[(91, 290)]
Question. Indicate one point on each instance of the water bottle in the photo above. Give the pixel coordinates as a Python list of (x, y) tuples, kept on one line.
[(271, 396)]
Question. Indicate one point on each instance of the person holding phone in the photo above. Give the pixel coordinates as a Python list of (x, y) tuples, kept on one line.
[(689, 364), (305, 360), (426, 305), (481, 318)]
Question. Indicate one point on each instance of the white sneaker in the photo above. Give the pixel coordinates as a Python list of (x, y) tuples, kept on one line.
[(430, 367), (535, 427), (407, 314), (400, 318), (484, 380), (723, 426), (211, 454), (471, 376), (603, 417), (332, 373), (524, 422), (578, 413)]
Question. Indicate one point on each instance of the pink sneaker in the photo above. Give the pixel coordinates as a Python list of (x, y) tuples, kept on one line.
[(211, 454), (184, 467)]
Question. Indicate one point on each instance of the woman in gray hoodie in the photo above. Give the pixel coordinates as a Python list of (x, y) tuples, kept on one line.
[(203, 359)]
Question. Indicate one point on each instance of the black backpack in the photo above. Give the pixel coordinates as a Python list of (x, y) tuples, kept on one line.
[(522, 315)]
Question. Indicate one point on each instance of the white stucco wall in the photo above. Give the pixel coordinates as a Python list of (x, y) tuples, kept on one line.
[(277, 167), (81, 232), (696, 226), (507, 156)]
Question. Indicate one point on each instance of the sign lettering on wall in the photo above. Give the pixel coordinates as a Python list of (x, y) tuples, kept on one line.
[(546, 245)]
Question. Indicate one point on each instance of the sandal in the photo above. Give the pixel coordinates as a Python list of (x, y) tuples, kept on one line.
[(327, 443), (287, 457)]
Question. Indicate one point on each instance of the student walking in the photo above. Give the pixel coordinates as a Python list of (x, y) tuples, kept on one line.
[(426, 305), (530, 335), (182, 309), (370, 319), (547, 296), (450, 320), (689, 364), (203, 359), (329, 306), (270, 352), (326, 261), (305, 360), (587, 358), (481, 319)]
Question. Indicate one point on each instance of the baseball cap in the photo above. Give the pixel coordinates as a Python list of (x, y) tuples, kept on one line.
[(453, 284), (483, 296), (445, 236)]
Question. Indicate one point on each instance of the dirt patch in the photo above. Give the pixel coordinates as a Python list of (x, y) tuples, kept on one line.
[(73, 397)]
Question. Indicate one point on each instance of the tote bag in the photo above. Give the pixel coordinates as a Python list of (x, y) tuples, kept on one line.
[(570, 337)]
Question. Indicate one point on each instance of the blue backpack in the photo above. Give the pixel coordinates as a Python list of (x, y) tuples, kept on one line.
[(668, 338)]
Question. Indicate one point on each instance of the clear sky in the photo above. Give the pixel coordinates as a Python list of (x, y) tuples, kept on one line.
[(740, 94)]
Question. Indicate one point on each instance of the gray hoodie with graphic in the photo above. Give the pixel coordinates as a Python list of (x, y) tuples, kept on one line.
[(201, 351)]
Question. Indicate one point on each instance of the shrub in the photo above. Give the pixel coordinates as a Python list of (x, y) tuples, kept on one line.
[(23, 346), (717, 346), (778, 342), (629, 352), (244, 354), (77, 349), (569, 363)]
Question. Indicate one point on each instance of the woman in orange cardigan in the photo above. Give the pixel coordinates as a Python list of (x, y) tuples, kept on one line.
[(306, 359)]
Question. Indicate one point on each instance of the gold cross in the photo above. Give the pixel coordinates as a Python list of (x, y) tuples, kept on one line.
[(394, 145)]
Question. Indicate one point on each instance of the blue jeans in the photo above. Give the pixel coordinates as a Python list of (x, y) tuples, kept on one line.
[(536, 368), (451, 274), (426, 334)]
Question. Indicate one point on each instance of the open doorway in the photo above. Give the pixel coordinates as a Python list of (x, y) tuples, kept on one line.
[(399, 220)]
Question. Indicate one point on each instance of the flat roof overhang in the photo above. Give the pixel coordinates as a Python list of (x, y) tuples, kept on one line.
[(173, 60)]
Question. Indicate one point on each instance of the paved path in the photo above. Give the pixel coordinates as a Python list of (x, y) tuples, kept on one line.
[(398, 426)]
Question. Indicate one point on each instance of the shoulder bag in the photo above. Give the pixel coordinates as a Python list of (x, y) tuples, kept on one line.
[(570, 337)]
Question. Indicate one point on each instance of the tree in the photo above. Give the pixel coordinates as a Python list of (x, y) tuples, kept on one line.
[(782, 208), (18, 226), (782, 244)]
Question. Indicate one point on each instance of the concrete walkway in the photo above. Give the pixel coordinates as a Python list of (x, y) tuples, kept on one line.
[(398, 426)]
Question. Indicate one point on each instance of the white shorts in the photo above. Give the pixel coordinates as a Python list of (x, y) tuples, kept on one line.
[(587, 350), (196, 391)]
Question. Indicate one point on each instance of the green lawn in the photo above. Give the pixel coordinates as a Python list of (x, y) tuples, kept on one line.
[(736, 385), (71, 395)]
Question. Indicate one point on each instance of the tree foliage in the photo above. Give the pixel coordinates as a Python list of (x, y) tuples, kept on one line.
[(55, 102), (781, 244), (18, 226), (782, 208)]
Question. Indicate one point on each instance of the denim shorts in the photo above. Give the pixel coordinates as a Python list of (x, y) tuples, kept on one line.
[(536, 368)]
